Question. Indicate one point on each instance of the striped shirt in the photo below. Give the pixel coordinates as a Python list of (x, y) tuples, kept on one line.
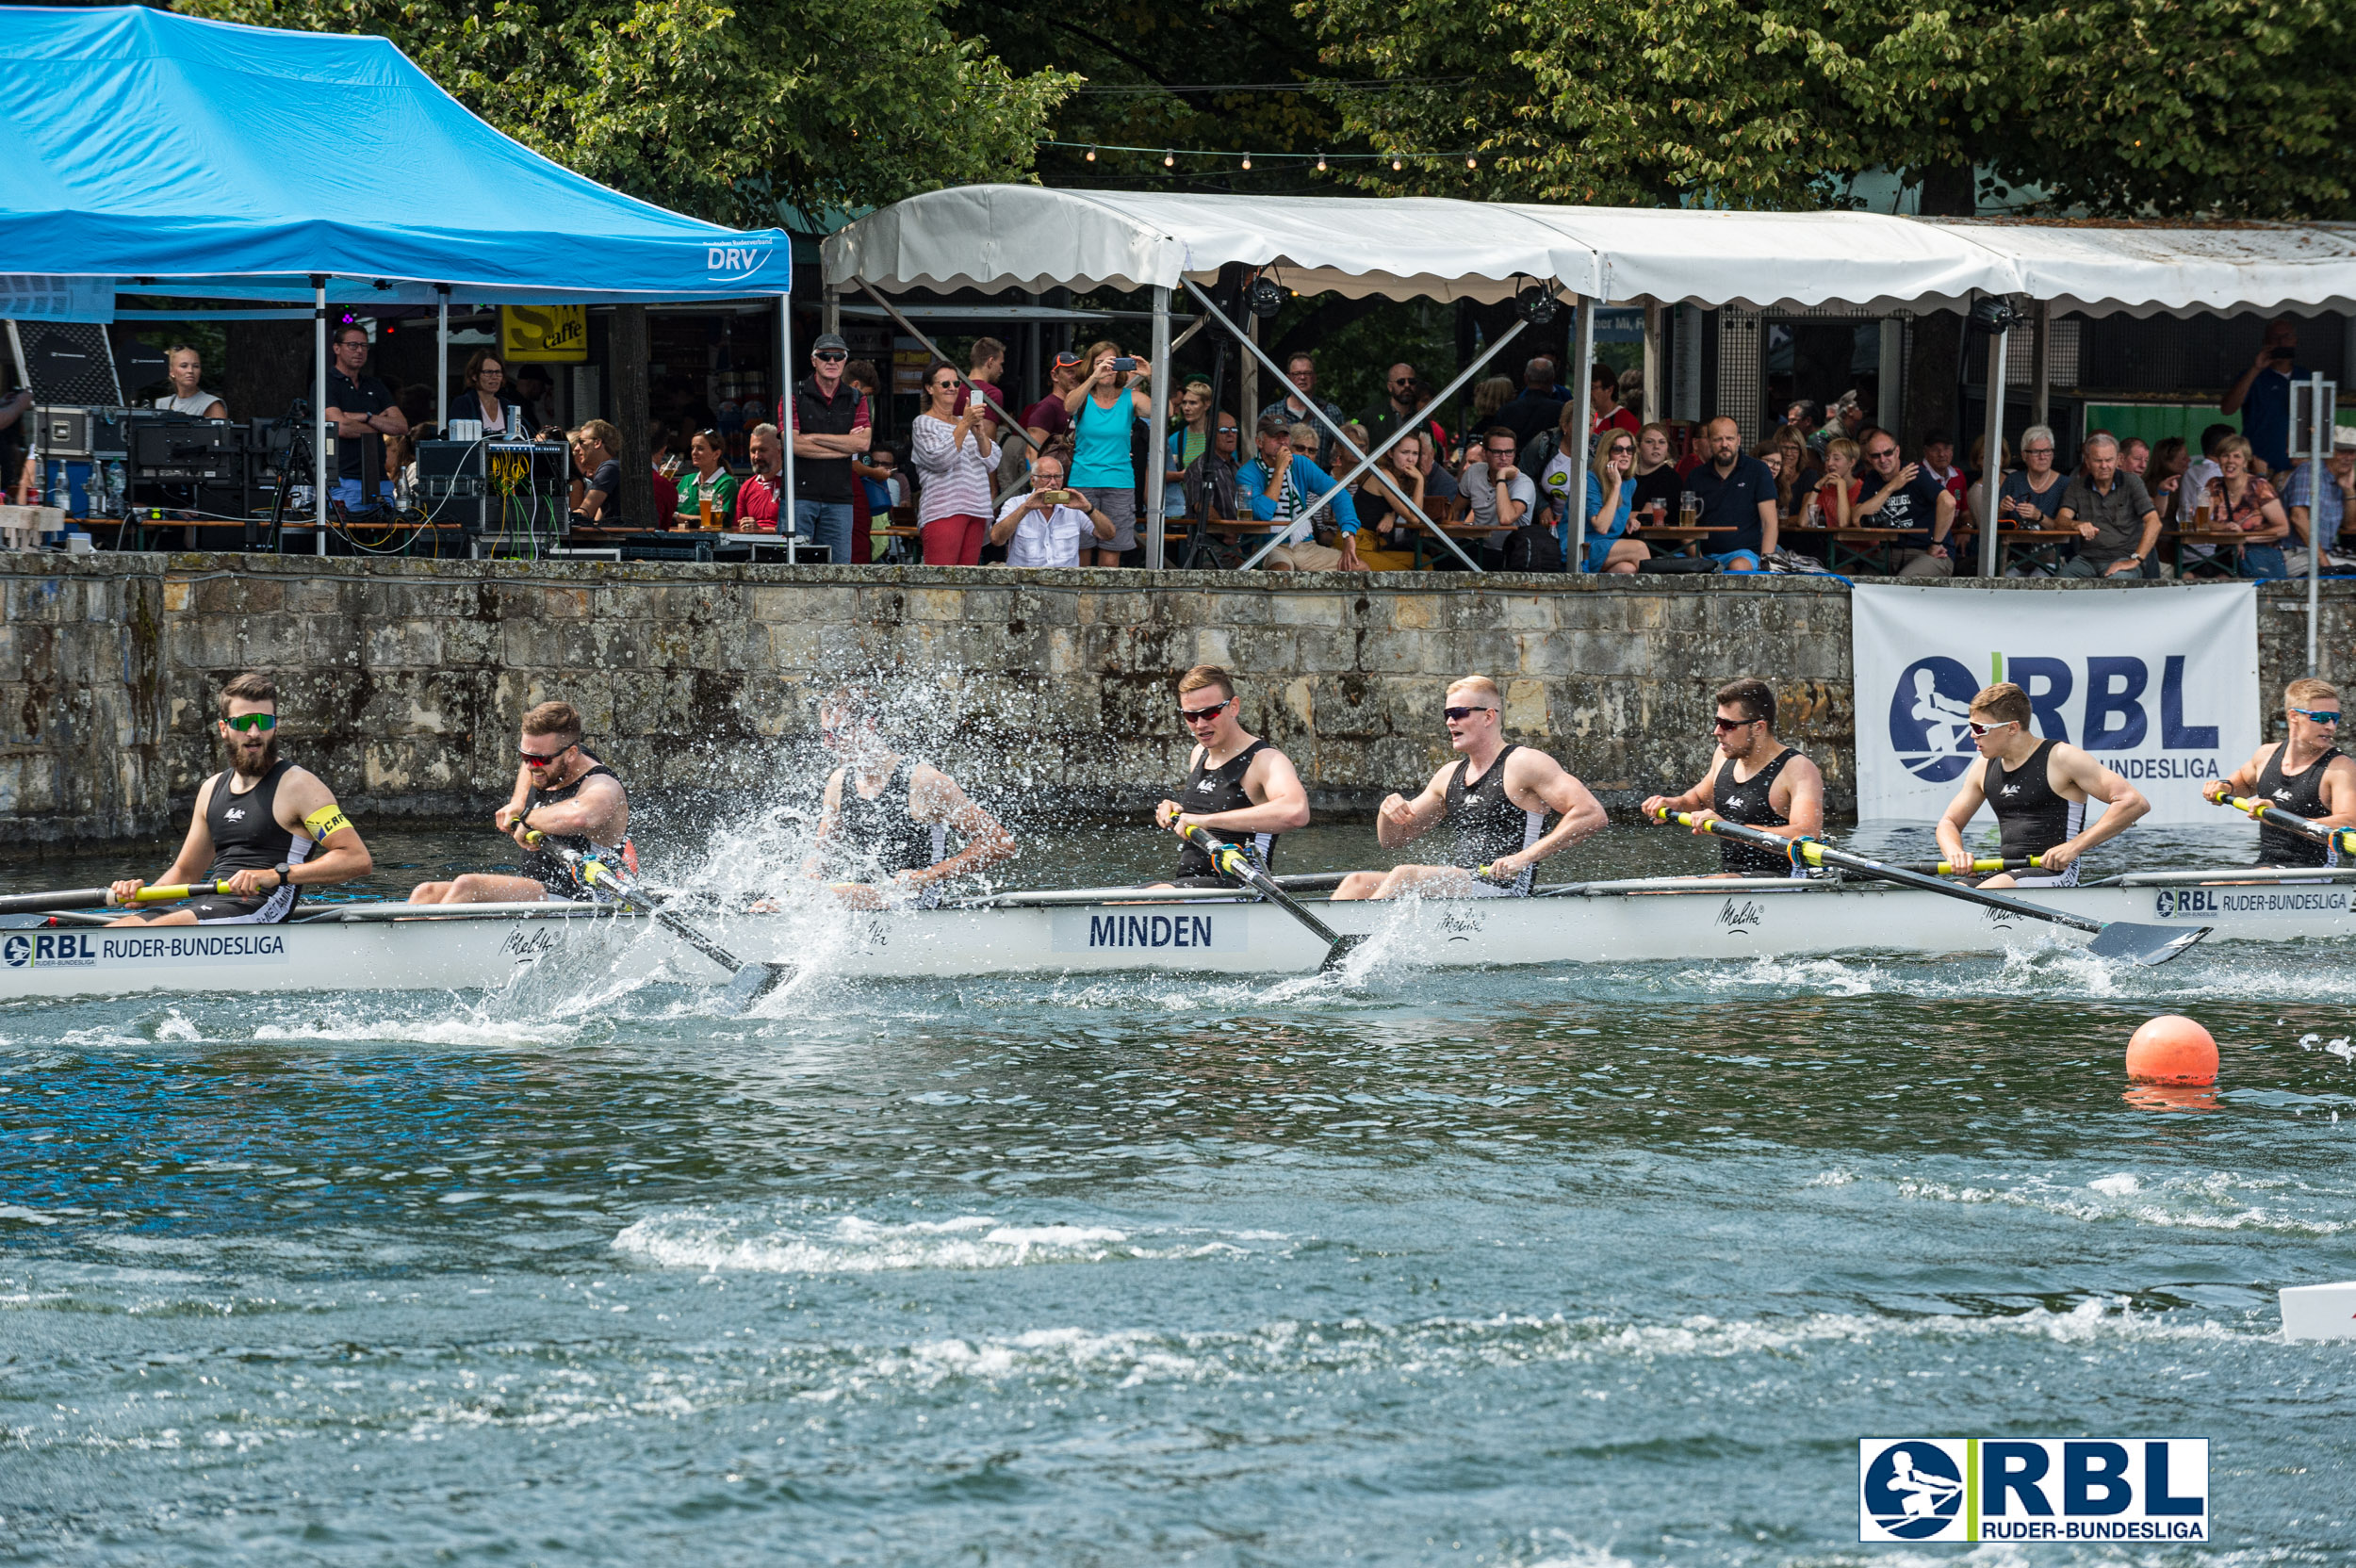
[(956, 476)]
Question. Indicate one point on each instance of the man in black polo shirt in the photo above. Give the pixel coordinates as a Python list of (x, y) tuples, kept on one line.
[(1902, 495), (1737, 491), (360, 410), (1537, 410), (831, 422)]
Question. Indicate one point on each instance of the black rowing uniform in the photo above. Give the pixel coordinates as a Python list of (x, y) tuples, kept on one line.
[(1749, 801), (2031, 815), (1488, 824), (875, 838), (545, 867), (1212, 790), (2301, 794), (247, 837)]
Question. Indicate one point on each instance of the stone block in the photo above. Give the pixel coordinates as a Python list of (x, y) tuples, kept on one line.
[(1310, 608)]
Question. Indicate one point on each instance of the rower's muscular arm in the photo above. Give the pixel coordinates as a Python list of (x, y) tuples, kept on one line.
[(1534, 779), (1279, 800), (2122, 801), (194, 860), (829, 819), (935, 797), (1959, 812), (2244, 779), (2339, 794), (339, 856), (1802, 786), (1401, 820), (600, 813)]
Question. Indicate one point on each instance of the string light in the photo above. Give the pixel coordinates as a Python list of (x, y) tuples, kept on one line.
[(1092, 154), (1472, 162), (1395, 164), (1170, 160), (1247, 160), (1397, 159), (1320, 162)]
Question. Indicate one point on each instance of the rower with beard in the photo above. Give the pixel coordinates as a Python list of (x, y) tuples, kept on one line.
[(1759, 782), (568, 797), (265, 827), (1494, 799), (1239, 789), (2306, 774), (2038, 791), (883, 838)]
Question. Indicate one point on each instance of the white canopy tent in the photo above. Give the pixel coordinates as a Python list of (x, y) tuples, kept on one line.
[(997, 237)]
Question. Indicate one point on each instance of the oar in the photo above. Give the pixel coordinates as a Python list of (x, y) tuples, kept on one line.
[(748, 982), (2259, 810), (1233, 861), (82, 898), (2113, 939), (1970, 868)]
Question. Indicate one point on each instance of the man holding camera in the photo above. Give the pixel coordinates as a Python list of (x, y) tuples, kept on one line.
[(2263, 396)]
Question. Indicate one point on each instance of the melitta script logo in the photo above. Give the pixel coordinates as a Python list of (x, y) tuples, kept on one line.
[(734, 263), (1741, 914), (1930, 714), (2033, 1489)]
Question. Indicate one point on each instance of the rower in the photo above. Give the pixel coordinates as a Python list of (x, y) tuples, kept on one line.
[(1496, 798), (883, 840), (2038, 791), (568, 797), (2307, 776), (1240, 789), (1759, 782), (257, 827)]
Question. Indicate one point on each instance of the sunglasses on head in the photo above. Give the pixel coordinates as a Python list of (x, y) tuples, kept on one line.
[(1458, 715), (2318, 715), (1191, 715), (248, 723), (1981, 731), (534, 760)]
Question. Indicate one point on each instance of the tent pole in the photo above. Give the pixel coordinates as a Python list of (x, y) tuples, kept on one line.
[(1156, 476), (441, 359), (1582, 398), (2317, 444), (788, 525), (319, 415), (1992, 455), (1652, 360), (1369, 460)]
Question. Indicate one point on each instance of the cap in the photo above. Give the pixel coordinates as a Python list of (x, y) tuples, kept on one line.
[(829, 340), (2343, 437), (1067, 360)]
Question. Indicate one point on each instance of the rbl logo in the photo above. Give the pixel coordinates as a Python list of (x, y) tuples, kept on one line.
[(2033, 1489), (1930, 709)]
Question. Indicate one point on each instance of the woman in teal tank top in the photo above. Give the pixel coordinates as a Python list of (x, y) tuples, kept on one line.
[(1105, 408)]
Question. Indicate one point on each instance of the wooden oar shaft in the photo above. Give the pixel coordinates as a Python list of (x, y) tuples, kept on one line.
[(2274, 816), (1810, 852)]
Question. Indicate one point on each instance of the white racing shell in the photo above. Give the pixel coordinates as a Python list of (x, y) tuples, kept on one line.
[(1685, 920)]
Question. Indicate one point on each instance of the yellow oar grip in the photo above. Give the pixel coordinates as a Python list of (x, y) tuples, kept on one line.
[(171, 896)]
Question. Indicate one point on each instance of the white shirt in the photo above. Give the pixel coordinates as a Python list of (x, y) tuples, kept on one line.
[(1053, 538), (1484, 495)]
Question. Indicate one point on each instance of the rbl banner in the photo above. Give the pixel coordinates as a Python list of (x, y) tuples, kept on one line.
[(2159, 683)]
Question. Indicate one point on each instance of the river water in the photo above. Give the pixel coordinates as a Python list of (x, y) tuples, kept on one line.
[(1585, 1267)]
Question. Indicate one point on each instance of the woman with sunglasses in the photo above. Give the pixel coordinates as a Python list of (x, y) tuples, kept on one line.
[(1611, 494), (954, 458), (2305, 775)]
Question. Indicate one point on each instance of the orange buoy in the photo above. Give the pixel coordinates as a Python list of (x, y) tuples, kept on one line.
[(2171, 1049)]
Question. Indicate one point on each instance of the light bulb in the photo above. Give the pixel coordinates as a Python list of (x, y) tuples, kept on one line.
[(1092, 154), (1397, 165), (1320, 163), (1247, 160), (1472, 163), (1170, 160)]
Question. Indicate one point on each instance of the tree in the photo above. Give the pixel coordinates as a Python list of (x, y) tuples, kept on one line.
[(2115, 107), (824, 104)]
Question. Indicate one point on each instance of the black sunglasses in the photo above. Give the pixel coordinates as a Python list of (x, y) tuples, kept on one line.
[(1458, 715), (829, 356), (1722, 726), (1188, 715)]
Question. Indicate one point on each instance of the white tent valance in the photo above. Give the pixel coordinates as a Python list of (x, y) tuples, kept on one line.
[(997, 237)]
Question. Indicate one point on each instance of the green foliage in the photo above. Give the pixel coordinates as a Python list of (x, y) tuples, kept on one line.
[(2118, 107), (710, 111)]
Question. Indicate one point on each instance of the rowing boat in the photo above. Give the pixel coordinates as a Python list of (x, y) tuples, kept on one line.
[(1101, 930)]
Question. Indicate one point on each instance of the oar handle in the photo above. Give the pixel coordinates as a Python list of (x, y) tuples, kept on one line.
[(172, 894), (2259, 809), (1972, 868)]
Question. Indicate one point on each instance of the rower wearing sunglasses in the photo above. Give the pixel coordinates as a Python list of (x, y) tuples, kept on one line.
[(1240, 789), (2038, 791), (1759, 782), (883, 838), (2306, 774), (567, 796), (261, 829), (1495, 800)]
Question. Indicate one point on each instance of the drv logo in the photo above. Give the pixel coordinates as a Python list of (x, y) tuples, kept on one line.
[(1930, 711), (734, 263)]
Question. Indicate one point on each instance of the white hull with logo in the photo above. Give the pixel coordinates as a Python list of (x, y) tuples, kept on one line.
[(1094, 931)]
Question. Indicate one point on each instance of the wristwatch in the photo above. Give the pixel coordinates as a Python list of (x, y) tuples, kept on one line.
[(285, 874)]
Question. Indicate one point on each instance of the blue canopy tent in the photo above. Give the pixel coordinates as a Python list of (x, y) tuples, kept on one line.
[(169, 154)]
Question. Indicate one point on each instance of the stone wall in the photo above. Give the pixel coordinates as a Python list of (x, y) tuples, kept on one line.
[(401, 682)]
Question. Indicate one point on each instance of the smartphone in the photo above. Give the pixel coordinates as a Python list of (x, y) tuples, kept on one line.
[(1126, 362)]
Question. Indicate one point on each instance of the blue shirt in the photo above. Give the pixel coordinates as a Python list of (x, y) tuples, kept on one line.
[(1100, 444), (1309, 481), (2327, 515), (1733, 502), (2266, 416)]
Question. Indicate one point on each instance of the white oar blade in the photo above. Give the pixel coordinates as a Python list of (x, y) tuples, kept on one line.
[(2147, 946), (752, 983)]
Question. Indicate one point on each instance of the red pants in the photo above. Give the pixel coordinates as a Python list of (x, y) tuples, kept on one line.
[(954, 540)]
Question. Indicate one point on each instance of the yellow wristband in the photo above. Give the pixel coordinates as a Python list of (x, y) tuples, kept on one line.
[(327, 819)]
